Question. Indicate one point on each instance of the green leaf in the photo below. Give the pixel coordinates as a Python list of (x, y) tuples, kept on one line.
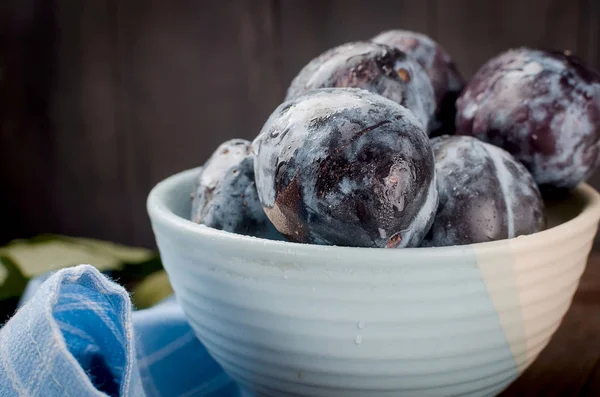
[(22, 260), (37, 258), (123, 253), (13, 282)]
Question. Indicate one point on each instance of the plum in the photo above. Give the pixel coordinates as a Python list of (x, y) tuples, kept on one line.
[(543, 107), (344, 166), (484, 194), (225, 195), (445, 78), (374, 67)]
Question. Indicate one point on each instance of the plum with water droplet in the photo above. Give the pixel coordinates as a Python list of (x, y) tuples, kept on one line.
[(543, 107), (346, 167), (373, 67), (445, 78), (484, 194), (225, 195)]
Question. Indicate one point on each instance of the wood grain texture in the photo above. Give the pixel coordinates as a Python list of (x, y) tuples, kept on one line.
[(474, 31), (89, 189), (26, 134), (190, 75)]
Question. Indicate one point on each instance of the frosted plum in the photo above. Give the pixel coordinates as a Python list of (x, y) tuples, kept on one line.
[(225, 195), (542, 107), (484, 194), (374, 67), (346, 167), (445, 78)]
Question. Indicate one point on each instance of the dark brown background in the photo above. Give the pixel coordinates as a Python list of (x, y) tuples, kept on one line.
[(101, 99)]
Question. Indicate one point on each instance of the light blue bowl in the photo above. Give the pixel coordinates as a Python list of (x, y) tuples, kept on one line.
[(287, 319)]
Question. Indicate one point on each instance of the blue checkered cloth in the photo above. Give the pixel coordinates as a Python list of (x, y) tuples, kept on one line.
[(76, 335)]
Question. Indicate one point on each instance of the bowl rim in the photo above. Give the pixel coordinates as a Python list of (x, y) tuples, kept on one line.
[(161, 213)]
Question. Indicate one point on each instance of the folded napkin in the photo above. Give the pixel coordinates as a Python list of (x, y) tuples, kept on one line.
[(76, 335)]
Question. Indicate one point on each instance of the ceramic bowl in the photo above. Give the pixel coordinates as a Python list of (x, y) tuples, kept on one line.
[(286, 319)]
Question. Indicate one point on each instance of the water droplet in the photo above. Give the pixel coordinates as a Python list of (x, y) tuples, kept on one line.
[(314, 289), (285, 276), (358, 339), (361, 324)]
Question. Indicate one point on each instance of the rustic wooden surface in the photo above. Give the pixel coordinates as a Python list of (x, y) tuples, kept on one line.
[(101, 99)]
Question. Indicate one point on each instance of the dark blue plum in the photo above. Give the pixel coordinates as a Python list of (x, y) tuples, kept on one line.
[(445, 78), (374, 67), (225, 195), (542, 107), (484, 194), (346, 167)]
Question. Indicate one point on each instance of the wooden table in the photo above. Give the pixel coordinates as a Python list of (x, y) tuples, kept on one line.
[(570, 364)]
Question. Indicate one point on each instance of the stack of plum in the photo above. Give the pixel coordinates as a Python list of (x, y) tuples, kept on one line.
[(381, 143)]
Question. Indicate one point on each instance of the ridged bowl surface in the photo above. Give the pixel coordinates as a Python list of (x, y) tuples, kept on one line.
[(287, 319)]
